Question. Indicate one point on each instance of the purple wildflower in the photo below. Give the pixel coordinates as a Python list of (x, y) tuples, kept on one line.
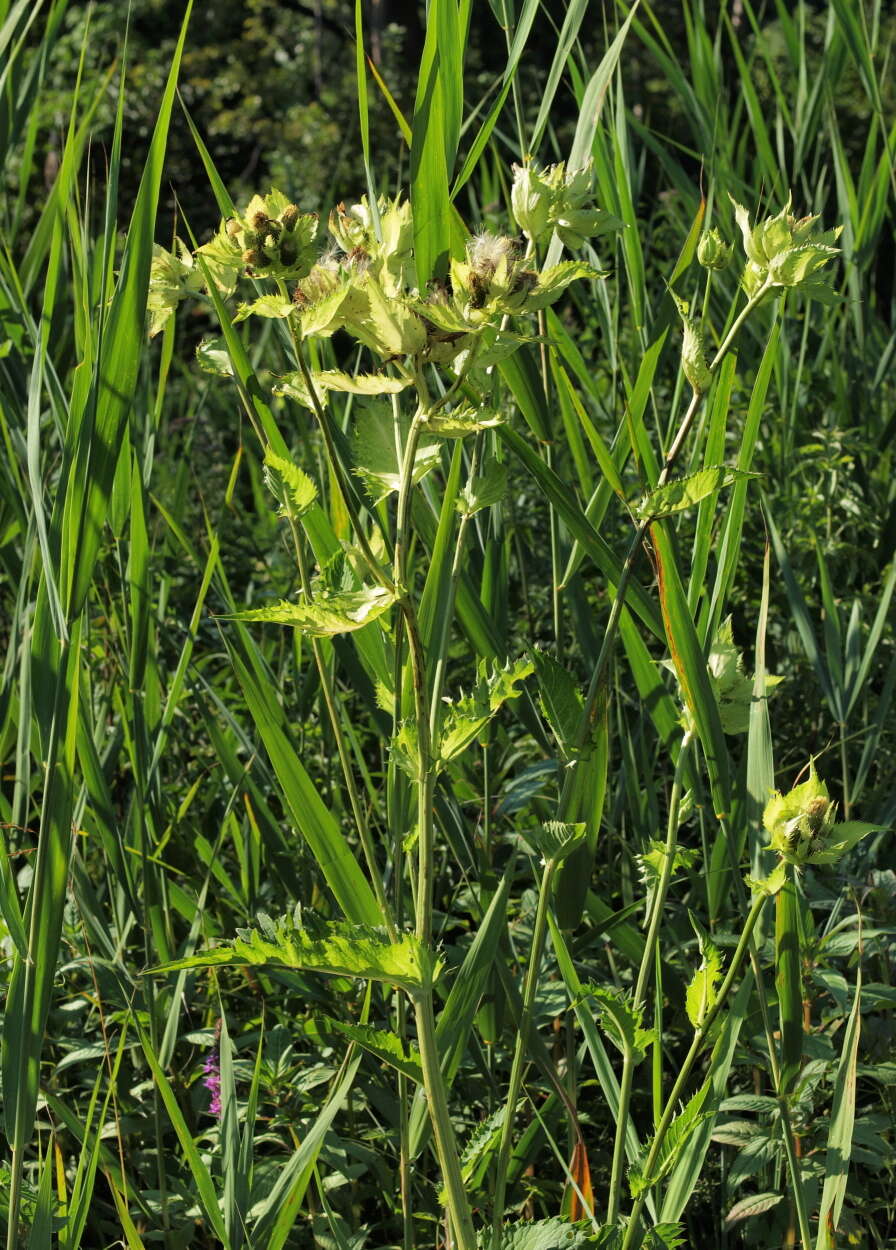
[(212, 1078)]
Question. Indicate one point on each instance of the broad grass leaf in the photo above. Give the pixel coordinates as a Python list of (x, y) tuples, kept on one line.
[(840, 1133)]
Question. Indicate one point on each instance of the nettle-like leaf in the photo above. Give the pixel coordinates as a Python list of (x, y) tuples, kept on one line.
[(485, 490), (406, 749), (560, 699), (212, 356), (651, 862), (664, 1237), (293, 386), (770, 885), (465, 720), (221, 259), (329, 613), (702, 992), (674, 1143), (360, 383), (620, 1020), (687, 492), (338, 949), (556, 839), (383, 1045), (271, 307), (553, 282), (377, 454), (389, 327), (552, 1234), (172, 279), (732, 688), (478, 1151), (291, 487), (461, 421)]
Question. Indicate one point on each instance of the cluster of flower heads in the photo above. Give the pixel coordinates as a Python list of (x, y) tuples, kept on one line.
[(365, 281)]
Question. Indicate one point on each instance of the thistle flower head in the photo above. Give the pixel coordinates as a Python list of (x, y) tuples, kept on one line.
[(801, 824), (554, 198), (785, 251)]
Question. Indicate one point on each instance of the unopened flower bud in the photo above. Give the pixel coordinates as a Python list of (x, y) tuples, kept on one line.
[(712, 251), (289, 217)]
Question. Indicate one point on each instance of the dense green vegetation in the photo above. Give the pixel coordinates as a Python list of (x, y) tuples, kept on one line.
[(448, 646)]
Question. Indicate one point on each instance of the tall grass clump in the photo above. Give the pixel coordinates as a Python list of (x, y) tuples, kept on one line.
[(449, 658)]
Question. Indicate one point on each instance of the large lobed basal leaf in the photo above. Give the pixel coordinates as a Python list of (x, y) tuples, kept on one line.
[(336, 949)]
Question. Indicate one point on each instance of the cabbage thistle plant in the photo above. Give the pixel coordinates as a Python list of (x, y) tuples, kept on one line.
[(426, 358)]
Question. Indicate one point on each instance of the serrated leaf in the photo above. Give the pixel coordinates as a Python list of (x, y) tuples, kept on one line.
[(272, 307), (674, 1143), (391, 327), (485, 490), (620, 1020), (459, 422), (377, 455), (465, 720), (553, 1234), (291, 487), (770, 885), (756, 1204), (383, 1045), (336, 950), (552, 282), (556, 839), (703, 990), (360, 383), (212, 356), (560, 700), (327, 614), (687, 492), (664, 1237), (293, 386)]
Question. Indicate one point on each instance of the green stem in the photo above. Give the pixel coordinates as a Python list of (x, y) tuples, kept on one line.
[(516, 1071), (433, 1080), (345, 490), (700, 1034), (634, 549), (329, 693), (651, 946)]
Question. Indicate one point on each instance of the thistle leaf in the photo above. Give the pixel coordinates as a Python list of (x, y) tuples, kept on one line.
[(327, 614), (338, 949), (292, 488)]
